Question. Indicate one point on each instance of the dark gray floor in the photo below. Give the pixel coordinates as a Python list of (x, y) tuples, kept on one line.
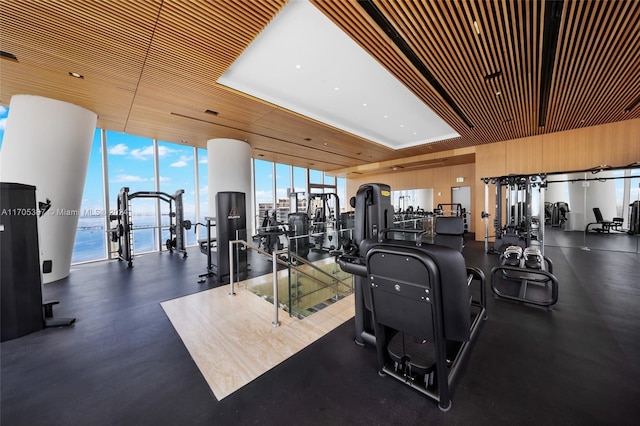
[(122, 363)]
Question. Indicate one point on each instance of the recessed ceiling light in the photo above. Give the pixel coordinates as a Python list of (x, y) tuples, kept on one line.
[(498, 93), (402, 125), (298, 66), (386, 116), (477, 27), (336, 88), (75, 74), (325, 144), (364, 104)]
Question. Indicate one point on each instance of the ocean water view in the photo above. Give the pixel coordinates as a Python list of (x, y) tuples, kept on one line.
[(92, 235)]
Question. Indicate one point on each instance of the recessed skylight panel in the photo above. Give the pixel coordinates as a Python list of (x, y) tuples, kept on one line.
[(304, 63)]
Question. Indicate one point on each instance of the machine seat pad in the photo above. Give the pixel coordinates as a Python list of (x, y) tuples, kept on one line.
[(418, 353), (204, 240)]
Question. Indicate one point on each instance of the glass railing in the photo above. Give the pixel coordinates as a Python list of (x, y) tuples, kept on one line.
[(414, 227), (311, 280)]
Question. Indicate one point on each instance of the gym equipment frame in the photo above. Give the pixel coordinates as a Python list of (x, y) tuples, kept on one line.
[(123, 232), (519, 227)]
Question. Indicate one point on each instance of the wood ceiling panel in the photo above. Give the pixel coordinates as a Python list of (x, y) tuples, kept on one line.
[(150, 68)]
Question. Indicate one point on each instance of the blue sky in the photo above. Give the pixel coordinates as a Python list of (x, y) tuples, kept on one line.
[(4, 111)]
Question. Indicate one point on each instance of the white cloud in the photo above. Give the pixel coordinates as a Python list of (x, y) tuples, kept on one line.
[(129, 178), (142, 154), (3, 123), (203, 160), (281, 193), (180, 163), (163, 150), (120, 149), (3, 110), (204, 189), (164, 179)]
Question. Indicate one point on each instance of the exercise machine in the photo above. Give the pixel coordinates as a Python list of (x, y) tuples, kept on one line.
[(558, 215), (373, 212), (122, 233), (270, 232), (514, 222), (634, 218), (413, 301), (321, 212), (22, 309), (606, 226), (425, 318), (525, 276), (230, 224)]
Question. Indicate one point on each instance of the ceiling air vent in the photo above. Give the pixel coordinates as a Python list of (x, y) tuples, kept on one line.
[(8, 56)]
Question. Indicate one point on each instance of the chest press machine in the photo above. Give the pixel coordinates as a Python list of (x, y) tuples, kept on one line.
[(413, 301)]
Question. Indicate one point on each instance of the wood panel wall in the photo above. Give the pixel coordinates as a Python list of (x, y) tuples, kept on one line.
[(614, 144)]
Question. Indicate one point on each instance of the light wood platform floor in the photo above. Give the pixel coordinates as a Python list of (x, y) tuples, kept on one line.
[(232, 338)]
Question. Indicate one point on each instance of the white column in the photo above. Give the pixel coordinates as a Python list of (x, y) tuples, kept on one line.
[(47, 144), (229, 169)]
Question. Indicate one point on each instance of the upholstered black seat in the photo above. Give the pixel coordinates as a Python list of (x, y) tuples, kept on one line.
[(605, 225), (450, 232)]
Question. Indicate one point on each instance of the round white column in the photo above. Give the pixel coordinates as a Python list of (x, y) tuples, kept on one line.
[(47, 144), (229, 169)]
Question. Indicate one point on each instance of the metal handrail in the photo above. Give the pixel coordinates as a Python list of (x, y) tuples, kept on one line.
[(276, 260)]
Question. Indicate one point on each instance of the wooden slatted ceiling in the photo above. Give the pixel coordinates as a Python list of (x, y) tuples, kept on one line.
[(607, 47), (150, 68)]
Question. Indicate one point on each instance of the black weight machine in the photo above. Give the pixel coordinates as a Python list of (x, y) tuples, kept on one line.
[(270, 232), (413, 301), (22, 308), (122, 233), (230, 224), (514, 223), (321, 212), (634, 218), (524, 274)]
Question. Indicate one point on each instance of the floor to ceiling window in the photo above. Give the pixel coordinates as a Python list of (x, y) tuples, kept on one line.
[(144, 165), (131, 164), (4, 112), (283, 187), (91, 234), (177, 174), (300, 187), (264, 184), (203, 190)]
